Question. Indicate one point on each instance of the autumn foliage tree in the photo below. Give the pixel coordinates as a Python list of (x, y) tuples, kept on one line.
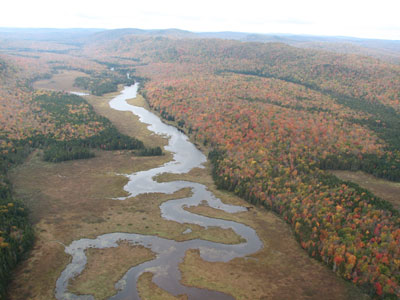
[(272, 117)]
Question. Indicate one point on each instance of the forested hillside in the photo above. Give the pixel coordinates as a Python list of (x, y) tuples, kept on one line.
[(273, 117)]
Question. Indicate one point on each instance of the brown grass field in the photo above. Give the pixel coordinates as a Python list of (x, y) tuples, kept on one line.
[(102, 271), (63, 81), (72, 200)]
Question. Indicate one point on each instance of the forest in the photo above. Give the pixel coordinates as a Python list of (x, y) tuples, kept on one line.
[(273, 118), (77, 129), (103, 83), (272, 157)]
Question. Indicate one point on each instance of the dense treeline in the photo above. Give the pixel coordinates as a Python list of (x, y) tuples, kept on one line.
[(156, 151), (337, 222), (69, 113), (216, 156), (385, 166), (99, 85), (96, 87), (16, 233), (108, 139), (58, 153), (112, 139), (16, 238)]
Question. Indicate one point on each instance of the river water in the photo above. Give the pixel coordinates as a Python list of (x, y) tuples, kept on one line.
[(169, 253)]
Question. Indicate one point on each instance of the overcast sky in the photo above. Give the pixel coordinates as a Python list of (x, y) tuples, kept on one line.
[(359, 18)]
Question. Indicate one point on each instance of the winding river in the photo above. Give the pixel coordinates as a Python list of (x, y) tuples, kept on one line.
[(169, 253)]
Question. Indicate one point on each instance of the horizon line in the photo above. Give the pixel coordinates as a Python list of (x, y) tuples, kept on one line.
[(201, 32)]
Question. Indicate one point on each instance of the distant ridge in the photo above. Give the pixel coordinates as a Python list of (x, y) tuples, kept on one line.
[(113, 34), (388, 50)]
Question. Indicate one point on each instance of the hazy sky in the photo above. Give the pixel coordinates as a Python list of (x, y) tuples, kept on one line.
[(360, 18)]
